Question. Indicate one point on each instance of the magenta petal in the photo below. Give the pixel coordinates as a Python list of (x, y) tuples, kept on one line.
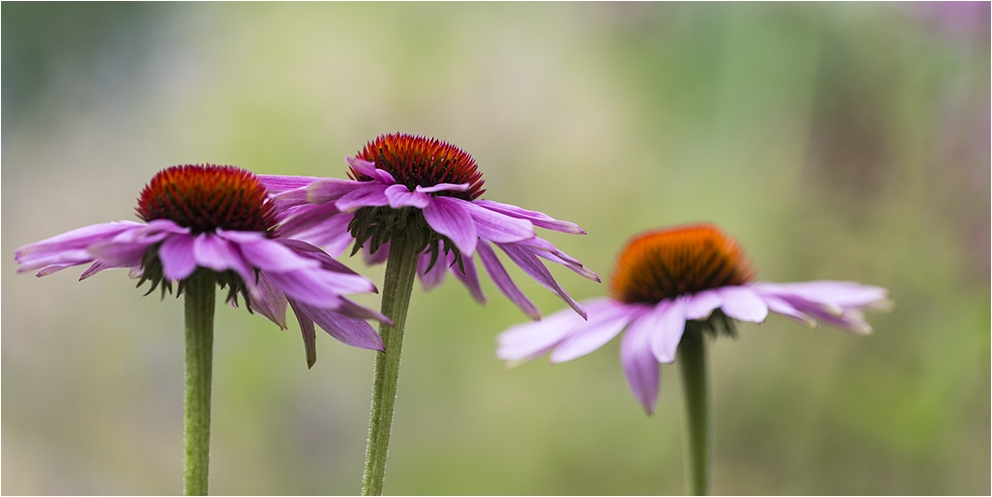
[(327, 190), (639, 365), (435, 276), (497, 227), (316, 287), (176, 254), (785, 308), (524, 342), (445, 187), (502, 280), (380, 255), (468, 275), (741, 302), (536, 218), (533, 267), (400, 196), (701, 305), (666, 323), (269, 301), (68, 249), (308, 250), (607, 318), (368, 168), (309, 334), (273, 256), (98, 266), (366, 194), (449, 217), (276, 184), (350, 331)]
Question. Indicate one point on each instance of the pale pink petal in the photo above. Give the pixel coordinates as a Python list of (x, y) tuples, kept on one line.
[(667, 321), (502, 280), (606, 319), (526, 341), (176, 255), (273, 256), (639, 364), (400, 196), (70, 248), (741, 302), (700, 305), (449, 217)]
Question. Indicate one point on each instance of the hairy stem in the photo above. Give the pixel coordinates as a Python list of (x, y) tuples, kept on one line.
[(401, 268), (200, 296)]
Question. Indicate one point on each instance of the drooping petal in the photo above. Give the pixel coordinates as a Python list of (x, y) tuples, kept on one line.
[(639, 365), (380, 255), (502, 280), (317, 287), (667, 321), (348, 330), (533, 267), (468, 275), (309, 334), (176, 254), (536, 218), (269, 301), (496, 227), (98, 266), (310, 251), (781, 306), (449, 217), (524, 342), (400, 196), (834, 294), (741, 302), (434, 277), (606, 319)]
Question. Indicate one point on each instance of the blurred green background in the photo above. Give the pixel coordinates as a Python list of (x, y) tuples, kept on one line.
[(835, 141)]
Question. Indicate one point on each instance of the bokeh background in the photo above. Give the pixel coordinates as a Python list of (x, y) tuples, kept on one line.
[(835, 141)]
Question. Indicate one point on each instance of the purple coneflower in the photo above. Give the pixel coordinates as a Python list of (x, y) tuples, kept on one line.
[(206, 226), (430, 190), (670, 286), (415, 201)]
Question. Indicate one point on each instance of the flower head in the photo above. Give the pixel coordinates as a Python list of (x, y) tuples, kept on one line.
[(427, 191), (679, 280), (218, 219)]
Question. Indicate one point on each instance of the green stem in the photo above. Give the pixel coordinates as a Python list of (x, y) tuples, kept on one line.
[(698, 433), (401, 268), (200, 292)]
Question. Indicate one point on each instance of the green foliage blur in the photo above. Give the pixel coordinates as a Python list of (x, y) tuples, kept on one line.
[(835, 141)]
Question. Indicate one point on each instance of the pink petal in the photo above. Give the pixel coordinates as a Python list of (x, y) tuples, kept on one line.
[(533, 267), (497, 227), (272, 256), (639, 365), (347, 330), (449, 217), (445, 187), (400, 196), (741, 302), (701, 305), (435, 277), (667, 323), (536, 218), (526, 341), (502, 280), (276, 184), (366, 194), (176, 254), (368, 168), (269, 301), (470, 278), (309, 334), (607, 318)]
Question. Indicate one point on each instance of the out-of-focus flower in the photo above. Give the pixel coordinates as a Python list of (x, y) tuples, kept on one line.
[(219, 219), (401, 181), (669, 278)]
